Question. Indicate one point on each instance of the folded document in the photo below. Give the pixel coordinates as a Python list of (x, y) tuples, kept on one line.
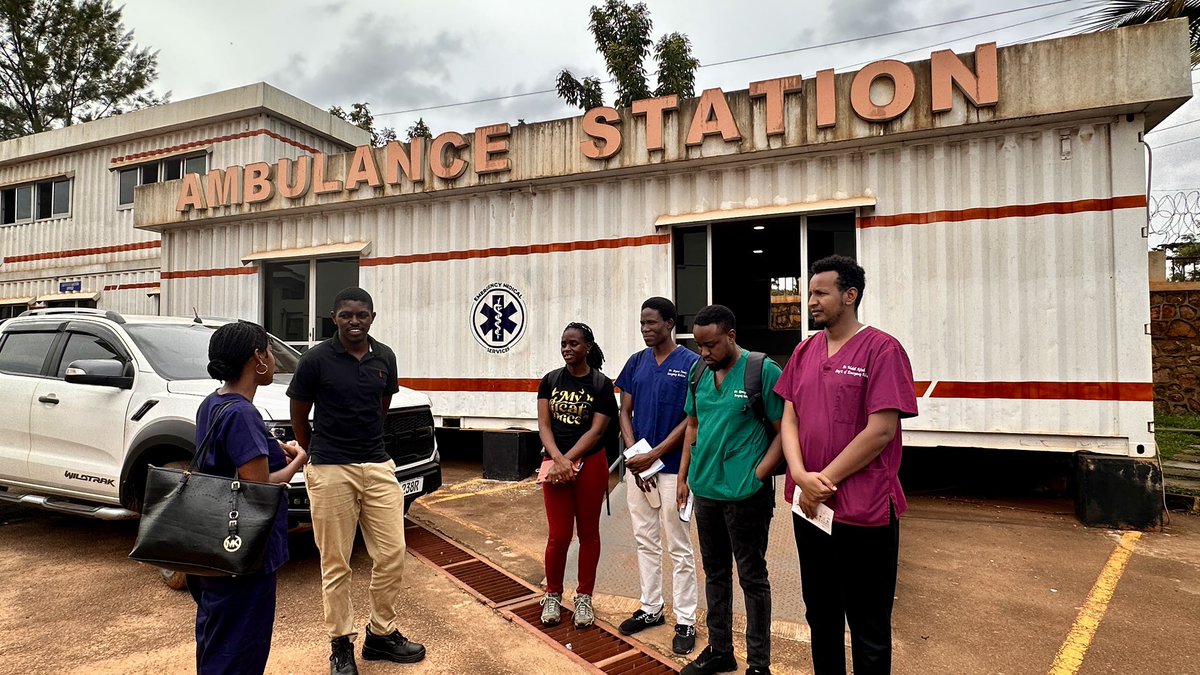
[(641, 448)]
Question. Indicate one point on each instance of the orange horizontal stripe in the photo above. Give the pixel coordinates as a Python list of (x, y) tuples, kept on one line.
[(998, 212), (215, 139), (1043, 391), (511, 385), (100, 250), (1077, 391), (130, 287), (195, 274), (531, 249)]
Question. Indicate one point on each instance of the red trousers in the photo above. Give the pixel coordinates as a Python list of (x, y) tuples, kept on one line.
[(570, 503)]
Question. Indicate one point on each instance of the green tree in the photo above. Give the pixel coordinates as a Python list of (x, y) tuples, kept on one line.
[(361, 117), (1120, 13), (67, 61), (622, 35), (418, 129)]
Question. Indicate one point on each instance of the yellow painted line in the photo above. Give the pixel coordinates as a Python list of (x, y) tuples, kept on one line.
[(464, 495), (1070, 655)]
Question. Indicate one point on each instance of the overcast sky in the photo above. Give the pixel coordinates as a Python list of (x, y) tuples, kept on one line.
[(400, 56)]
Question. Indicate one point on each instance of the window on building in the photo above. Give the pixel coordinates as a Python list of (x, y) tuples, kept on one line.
[(25, 353), (10, 310), (298, 297), (759, 269), (35, 201), (171, 168), (61, 198)]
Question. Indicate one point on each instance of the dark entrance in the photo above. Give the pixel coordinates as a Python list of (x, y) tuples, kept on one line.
[(759, 269)]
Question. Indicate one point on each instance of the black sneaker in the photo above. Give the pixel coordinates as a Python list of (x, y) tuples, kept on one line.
[(758, 671), (710, 662), (394, 647), (685, 639), (640, 621), (341, 661)]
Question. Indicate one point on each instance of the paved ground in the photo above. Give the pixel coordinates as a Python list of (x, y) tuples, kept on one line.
[(985, 586)]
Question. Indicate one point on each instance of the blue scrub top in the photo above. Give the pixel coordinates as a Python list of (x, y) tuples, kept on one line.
[(239, 437), (658, 393)]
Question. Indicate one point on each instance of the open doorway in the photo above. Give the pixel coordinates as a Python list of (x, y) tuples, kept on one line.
[(759, 269)]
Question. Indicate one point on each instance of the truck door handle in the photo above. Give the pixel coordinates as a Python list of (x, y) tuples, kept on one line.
[(51, 399)]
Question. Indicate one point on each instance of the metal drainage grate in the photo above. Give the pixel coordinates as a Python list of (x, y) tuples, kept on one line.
[(599, 648)]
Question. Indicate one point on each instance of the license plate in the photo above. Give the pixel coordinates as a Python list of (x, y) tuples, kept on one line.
[(413, 486)]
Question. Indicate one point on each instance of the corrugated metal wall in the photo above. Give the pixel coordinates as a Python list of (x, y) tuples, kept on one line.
[(65, 249), (1047, 298)]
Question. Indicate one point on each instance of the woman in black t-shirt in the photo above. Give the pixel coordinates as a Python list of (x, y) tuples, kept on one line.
[(576, 403)]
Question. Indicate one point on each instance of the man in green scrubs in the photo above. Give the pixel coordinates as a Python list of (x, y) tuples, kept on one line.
[(728, 458)]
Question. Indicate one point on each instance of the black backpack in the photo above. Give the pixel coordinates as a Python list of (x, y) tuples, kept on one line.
[(611, 439), (754, 395)]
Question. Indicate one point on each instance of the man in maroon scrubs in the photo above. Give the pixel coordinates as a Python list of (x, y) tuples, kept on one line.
[(846, 389)]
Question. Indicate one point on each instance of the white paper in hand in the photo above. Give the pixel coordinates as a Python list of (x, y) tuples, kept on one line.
[(639, 448), (685, 514), (824, 519), (654, 468)]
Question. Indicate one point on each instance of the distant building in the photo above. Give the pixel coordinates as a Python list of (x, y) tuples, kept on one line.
[(67, 196)]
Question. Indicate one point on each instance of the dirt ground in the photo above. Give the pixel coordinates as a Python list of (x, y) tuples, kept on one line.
[(71, 602), (985, 587)]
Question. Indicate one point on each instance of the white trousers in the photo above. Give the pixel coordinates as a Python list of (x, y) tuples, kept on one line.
[(649, 526)]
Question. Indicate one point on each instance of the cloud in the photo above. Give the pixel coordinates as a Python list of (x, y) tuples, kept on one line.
[(854, 18), (379, 62)]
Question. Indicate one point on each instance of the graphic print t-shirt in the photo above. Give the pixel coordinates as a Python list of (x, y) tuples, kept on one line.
[(573, 403)]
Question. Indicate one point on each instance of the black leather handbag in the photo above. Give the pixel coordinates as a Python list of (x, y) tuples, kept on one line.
[(206, 525)]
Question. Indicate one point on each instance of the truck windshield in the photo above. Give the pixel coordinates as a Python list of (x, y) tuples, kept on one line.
[(180, 351)]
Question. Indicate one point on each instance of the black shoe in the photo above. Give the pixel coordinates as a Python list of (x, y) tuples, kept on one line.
[(710, 662), (394, 647), (640, 621), (758, 671), (341, 661), (685, 639)]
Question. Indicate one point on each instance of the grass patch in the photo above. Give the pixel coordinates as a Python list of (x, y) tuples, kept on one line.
[(1171, 443)]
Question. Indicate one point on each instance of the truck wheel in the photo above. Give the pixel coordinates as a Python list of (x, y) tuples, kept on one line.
[(176, 581)]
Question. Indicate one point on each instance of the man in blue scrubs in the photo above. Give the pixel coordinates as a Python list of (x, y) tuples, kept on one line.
[(653, 387)]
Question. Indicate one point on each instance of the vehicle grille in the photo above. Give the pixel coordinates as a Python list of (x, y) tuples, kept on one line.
[(408, 435)]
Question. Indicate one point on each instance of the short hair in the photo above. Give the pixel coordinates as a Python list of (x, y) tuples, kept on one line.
[(232, 346), (664, 307), (720, 315), (353, 294), (850, 274)]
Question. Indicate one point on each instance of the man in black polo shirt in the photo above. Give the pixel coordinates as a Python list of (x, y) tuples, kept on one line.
[(351, 481)]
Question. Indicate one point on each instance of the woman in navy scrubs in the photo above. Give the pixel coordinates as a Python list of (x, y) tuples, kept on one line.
[(235, 615)]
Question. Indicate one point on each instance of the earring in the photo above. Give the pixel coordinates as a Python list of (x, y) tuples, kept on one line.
[(263, 366)]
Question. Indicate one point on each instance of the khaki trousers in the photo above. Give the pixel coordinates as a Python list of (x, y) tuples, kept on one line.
[(343, 497)]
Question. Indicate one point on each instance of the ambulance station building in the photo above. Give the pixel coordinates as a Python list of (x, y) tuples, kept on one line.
[(996, 198)]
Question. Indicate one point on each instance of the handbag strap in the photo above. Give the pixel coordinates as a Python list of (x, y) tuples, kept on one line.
[(204, 444)]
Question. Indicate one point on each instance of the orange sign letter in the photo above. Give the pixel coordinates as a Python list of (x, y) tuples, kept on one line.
[(982, 88)]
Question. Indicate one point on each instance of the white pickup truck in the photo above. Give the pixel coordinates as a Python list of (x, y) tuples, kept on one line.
[(91, 398)]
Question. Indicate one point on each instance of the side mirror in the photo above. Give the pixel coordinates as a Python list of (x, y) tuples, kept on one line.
[(101, 372)]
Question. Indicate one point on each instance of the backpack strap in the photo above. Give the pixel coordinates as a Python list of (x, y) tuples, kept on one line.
[(697, 373), (754, 394)]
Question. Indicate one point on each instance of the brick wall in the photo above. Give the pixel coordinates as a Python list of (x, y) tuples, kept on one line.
[(1175, 340)]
